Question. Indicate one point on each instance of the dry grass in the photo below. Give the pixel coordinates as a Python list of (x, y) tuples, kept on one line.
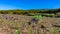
[(8, 26)]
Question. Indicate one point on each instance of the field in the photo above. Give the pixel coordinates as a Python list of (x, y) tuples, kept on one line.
[(19, 24)]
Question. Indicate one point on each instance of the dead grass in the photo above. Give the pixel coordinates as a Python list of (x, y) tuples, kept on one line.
[(9, 26)]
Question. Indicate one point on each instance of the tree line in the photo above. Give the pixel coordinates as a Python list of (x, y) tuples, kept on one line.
[(43, 12), (17, 11)]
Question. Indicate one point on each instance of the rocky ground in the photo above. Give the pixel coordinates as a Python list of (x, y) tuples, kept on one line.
[(10, 23)]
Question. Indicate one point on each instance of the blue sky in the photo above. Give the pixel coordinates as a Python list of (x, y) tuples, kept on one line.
[(29, 4)]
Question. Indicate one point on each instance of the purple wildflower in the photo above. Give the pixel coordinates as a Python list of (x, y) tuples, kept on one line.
[(33, 26), (35, 20), (6, 17), (15, 18)]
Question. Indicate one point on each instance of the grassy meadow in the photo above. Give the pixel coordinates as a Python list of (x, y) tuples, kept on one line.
[(30, 21)]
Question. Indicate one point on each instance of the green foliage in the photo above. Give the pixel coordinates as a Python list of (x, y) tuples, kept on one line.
[(31, 31), (36, 11), (38, 17), (15, 27), (38, 32), (17, 32)]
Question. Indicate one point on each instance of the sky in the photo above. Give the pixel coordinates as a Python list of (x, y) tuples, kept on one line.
[(29, 4)]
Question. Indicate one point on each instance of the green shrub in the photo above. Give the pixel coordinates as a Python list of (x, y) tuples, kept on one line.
[(17, 32)]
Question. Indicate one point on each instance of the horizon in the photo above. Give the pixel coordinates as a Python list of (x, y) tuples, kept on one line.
[(29, 4), (29, 9)]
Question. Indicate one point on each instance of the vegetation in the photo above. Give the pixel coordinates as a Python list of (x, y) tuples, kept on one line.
[(36, 17), (17, 32), (44, 12)]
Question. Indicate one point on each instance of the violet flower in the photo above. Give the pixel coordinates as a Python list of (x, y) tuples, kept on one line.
[(35, 20), (33, 26), (15, 18), (6, 17)]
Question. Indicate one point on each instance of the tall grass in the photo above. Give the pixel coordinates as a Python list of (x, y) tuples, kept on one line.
[(37, 19)]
